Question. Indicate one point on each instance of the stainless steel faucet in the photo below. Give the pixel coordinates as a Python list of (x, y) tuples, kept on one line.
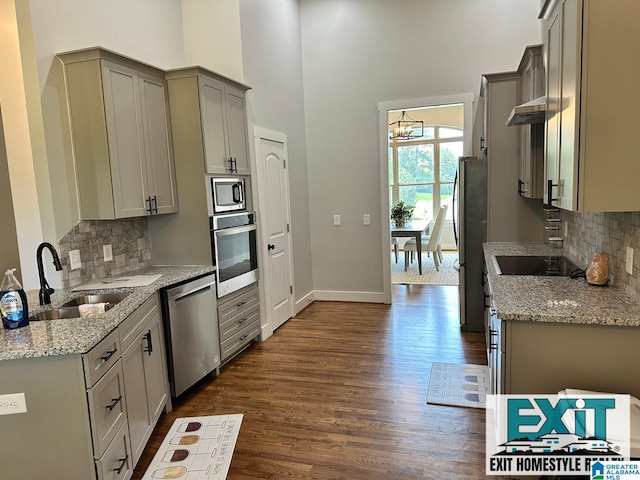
[(45, 289)]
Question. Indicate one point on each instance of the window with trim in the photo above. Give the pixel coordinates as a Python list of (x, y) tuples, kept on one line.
[(422, 170)]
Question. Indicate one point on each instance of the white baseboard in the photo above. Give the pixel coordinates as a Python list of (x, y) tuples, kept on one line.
[(337, 296), (303, 303)]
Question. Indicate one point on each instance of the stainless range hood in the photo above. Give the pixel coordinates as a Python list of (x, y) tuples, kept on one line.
[(528, 113)]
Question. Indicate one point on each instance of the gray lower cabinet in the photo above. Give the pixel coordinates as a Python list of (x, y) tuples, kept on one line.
[(144, 372), (239, 320), (544, 357), (88, 416)]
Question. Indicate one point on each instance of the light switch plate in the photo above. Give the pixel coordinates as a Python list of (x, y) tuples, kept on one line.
[(74, 259), (107, 252), (336, 220), (366, 219), (629, 262)]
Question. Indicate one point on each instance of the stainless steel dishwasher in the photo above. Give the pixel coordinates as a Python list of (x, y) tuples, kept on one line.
[(191, 332)]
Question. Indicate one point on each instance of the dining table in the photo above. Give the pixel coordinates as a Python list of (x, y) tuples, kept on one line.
[(415, 229)]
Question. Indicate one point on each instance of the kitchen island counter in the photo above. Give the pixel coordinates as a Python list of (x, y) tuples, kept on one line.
[(553, 298), (78, 335)]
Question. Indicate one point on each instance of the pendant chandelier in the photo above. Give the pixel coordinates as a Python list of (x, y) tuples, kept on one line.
[(406, 128)]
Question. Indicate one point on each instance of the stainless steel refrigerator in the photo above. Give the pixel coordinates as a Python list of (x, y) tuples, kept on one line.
[(470, 230)]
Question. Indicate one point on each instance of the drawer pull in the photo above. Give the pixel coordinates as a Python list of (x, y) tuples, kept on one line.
[(244, 337), (149, 347), (241, 321), (123, 462), (110, 353), (115, 401), (241, 303)]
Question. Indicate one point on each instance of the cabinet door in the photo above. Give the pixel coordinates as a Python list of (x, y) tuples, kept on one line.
[(135, 388), (145, 382), (524, 187), (154, 370), (569, 108), (237, 130), (157, 144), (125, 138), (213, 116), (552, 133)]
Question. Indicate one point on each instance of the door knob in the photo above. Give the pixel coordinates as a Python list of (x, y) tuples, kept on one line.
[(271, 247)]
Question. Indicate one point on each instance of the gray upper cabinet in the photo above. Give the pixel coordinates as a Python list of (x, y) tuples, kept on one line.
[(220, 112), (531, 137), (591, 152), (119, 116)]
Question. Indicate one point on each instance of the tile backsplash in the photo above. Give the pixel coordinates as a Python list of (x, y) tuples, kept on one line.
[(130, 245), (610, 233)]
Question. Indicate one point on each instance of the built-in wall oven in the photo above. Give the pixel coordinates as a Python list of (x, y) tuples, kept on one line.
[(234, 250)]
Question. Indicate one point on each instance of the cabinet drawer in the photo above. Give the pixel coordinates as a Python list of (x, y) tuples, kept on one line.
[(239, 322), (135, 323), (116, 463), (239, 304), (107, 409), (101, 358), (239, 340)]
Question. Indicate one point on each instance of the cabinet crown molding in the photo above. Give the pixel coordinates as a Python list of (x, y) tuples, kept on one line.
[(196, 70), (101, 53)]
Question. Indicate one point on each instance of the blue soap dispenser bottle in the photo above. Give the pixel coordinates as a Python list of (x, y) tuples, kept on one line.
[(14, 308)]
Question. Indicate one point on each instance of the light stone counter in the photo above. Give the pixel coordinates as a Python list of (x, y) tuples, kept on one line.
[(79, 335), (554, 299)]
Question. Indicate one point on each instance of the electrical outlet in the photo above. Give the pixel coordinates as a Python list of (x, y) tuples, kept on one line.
[(13, 403), (74, 259), (336, 220), (366, 219), (107, 252), (629, 262)]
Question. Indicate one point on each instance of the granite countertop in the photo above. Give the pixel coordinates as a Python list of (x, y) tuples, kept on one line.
[(555, 299), (78, 335)]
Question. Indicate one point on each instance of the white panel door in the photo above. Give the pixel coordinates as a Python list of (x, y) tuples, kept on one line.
[(274, 204)]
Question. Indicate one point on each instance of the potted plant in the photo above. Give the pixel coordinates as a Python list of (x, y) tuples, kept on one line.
[(400, 213)]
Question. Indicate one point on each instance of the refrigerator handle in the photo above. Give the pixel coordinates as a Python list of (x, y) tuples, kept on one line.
[(453, 213)]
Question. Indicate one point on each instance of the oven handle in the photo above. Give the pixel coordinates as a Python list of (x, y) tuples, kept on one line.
[(234, 230)]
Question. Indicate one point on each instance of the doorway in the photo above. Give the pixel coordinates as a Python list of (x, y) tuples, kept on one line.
[(275, 225), (419, 169)]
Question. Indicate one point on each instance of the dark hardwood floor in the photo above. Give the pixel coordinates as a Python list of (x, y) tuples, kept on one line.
[(339, 392)]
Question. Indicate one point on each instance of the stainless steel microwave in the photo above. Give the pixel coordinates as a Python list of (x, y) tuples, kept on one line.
[(228, 194)]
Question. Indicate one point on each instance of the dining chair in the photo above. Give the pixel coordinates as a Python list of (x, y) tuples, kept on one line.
[(430, 243), (395, 244)]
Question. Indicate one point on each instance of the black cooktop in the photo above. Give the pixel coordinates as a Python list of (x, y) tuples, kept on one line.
[(539, 265)]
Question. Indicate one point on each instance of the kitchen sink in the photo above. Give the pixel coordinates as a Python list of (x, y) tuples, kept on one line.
[(71, 310), (536, 265), (110, 298)]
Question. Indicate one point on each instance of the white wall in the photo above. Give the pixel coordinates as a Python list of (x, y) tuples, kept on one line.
[(16, 89), (212, 35), (357, 53), (273, 68)]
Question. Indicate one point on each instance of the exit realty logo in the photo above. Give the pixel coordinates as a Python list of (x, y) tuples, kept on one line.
[(555, 434)]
